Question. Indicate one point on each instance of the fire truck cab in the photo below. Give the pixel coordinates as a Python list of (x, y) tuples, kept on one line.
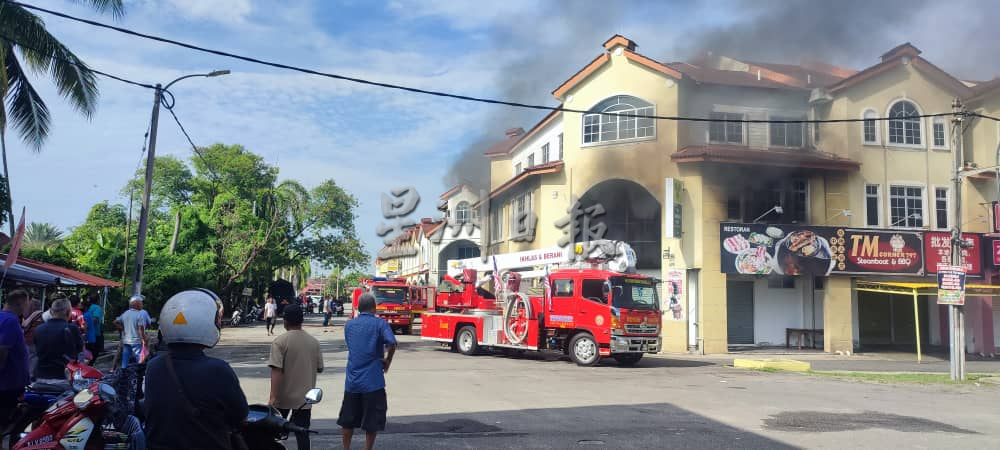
[(394, 300), (591, 307)]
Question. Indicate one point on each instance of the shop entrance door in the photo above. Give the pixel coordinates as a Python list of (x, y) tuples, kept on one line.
[(739, 312), (886, 320)]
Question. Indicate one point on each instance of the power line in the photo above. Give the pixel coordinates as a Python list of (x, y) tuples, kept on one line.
[(438, 93), (75, 63), (197, 151)]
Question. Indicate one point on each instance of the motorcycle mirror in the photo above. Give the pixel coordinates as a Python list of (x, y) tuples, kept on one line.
[(315, 395)]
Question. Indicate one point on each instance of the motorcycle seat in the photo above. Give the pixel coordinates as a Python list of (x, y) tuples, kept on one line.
[(45, 388)]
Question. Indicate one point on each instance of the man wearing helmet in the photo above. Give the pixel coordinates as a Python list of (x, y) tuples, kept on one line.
[(193, 401)]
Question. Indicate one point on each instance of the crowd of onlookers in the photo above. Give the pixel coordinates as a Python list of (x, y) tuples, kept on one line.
[(36, 345)]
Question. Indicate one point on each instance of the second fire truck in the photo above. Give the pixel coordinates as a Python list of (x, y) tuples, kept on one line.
[(394, 301), (593, 305)]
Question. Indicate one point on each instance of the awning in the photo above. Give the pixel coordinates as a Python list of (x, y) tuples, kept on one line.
[(37, 273), (914, 290)]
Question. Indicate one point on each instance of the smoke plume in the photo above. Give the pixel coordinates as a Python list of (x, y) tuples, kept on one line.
[(955, 35), (548, 47)]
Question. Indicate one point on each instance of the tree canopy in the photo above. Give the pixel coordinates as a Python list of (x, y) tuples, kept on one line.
[(224, 221)]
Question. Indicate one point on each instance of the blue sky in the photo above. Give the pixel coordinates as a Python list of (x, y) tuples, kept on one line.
[(367, 139)]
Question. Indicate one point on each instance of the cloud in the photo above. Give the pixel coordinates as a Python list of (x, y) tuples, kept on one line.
[(227, 12)]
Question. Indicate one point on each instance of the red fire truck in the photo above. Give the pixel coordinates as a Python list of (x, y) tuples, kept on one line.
[(394, 301), (595, 305)]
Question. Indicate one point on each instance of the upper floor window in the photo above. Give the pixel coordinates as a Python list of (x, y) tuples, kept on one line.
[(906, 206), (870, 127), (619, 121), (531, 160), (545, 153), (941, 207), (940, 135), (462, 212), (873, 204), (787, 134), (904, 126), (517, 169), (560, 146), (725, 132)]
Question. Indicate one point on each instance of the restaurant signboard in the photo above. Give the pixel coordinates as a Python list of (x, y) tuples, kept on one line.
[(765, 249)]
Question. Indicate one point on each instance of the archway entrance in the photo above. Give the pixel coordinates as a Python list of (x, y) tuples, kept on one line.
[(460, 249), (632, 215)]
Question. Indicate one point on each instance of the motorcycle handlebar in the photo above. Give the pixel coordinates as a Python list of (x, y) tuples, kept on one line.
[(293, 428)]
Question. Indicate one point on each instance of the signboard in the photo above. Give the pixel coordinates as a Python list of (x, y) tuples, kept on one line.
[(392, 266), (951, 285), (996, 252), (764, 249), (529, 258), (996, 217), (673, 294), (937, 250), (672, 209), (247, 292)]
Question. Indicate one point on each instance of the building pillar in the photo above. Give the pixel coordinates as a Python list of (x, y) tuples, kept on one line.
[(712, 314), (838, 317)]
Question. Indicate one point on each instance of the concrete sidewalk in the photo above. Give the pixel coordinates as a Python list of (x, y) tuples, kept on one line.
[(819, 361)]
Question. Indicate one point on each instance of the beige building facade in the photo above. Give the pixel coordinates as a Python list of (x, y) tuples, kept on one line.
[(672, 188)]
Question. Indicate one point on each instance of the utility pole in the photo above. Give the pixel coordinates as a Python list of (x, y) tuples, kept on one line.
[(956, 313), (140, 244)]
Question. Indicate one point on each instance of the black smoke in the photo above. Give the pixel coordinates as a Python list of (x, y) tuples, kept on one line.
[(959, 36), (551, 44)]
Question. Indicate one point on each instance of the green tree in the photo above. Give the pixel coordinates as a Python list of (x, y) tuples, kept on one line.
[(42, 235), (24, 33)]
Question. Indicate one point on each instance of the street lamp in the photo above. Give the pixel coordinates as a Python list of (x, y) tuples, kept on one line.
[(140, 246), (777, 209)]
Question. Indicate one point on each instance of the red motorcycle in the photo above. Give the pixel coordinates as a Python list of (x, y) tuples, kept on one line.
[(77, 424)]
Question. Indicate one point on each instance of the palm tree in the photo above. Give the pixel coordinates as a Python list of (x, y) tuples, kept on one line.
[(42, 235), (24, 33)]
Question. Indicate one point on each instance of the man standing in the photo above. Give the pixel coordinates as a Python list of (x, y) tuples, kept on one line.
[(56, 341), (370, 347), (95, 327), (193, 401), (132, 324), (76, 315), (270, 314), (32, 320), (327, 311), (13, 354), (295, 360)]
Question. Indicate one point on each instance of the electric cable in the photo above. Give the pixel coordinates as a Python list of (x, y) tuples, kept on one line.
[(416, 90)]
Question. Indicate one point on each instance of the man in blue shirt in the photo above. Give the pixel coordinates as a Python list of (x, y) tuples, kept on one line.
[(13, 353), (370, 347), (95, 327)]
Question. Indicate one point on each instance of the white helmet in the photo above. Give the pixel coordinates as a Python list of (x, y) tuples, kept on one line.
[(189, 317)]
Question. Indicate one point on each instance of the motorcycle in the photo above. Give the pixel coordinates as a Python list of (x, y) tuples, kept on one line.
[(39, 397), (91, 420), (265, 428), (256, 313), (338, 309), (236, 318)]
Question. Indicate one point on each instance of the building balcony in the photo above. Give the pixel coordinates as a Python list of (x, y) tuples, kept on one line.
[(805, 158)]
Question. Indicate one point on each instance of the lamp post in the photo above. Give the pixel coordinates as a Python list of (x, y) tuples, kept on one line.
[(140, 245)]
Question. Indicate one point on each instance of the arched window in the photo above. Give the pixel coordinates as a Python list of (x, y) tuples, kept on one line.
[(462, 212), (870, 127), (904, 127), (623, 124)]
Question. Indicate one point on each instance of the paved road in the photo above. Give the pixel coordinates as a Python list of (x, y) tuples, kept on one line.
[(439, 399)]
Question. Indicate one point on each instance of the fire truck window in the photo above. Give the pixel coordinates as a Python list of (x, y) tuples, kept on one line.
[(593, 290), (563, 288)]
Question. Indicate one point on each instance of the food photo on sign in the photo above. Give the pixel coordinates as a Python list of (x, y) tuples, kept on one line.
[(764, 249), (753, 249)]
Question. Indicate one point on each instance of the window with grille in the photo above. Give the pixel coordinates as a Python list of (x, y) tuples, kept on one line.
[(904, 126), (787, 134), (941, 207), (545, 153), (531, 160), (906, 206), (872, 205), (870, 128), (940, 137), (616, 119), (725, 132)]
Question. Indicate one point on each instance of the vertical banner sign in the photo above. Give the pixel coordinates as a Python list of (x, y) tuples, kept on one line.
[(672, 209), (996, 217), (937, 249), (673, 294), (996, 252), (951, 285)]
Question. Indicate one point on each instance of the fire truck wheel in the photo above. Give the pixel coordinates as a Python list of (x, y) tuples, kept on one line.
[(583, 350), (628, 359), (465, 341)]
